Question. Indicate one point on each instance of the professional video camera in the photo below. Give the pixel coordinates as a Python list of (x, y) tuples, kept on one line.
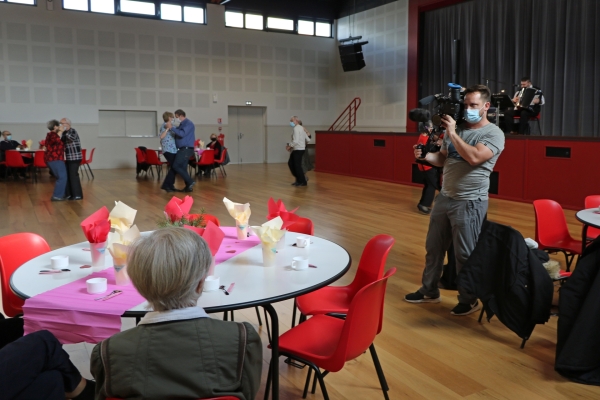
[(444, 105)]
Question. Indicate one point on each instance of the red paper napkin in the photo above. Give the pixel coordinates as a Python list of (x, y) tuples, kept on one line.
[(176, 208), (24, 142), (288, 219), (42, 142), (96, 226), (212, 234), (276, 207)]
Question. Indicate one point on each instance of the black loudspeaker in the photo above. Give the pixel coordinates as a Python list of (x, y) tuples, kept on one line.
[(352, 57)]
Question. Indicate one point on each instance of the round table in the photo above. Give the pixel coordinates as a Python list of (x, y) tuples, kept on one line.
[(255, 285), (588, 217)]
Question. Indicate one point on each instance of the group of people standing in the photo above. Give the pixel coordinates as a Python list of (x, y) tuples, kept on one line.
[(63, 156)]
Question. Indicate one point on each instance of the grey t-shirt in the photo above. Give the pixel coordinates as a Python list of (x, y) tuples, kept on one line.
[(463, 181)]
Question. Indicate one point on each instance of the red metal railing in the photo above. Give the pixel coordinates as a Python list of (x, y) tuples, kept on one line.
[(347, 119)]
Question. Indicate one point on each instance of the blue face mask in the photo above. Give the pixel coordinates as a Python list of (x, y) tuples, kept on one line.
[(292, 124), (472, 116), (9, 137)]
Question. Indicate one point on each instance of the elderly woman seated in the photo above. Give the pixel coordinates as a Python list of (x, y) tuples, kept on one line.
[(176, 351)]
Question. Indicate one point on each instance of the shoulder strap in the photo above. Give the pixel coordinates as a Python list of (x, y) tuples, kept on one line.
[(242, 349)]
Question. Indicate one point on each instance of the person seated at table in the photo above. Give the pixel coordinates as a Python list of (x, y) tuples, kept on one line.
[(36, 367), (214, 145), (7, 143), (176, 351)]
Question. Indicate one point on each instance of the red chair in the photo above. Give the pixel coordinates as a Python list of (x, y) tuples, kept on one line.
[(303, 225), (337, 299), (207, 159), (140, 159), (38, 162), (328, 342), (551, 231), (86, 162), (16, 250), (592, 202), (15, 160), (153, 160), (220, 162)]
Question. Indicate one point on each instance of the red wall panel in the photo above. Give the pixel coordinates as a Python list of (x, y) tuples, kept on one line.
[(510, 164), (370, 161), (525, 173)]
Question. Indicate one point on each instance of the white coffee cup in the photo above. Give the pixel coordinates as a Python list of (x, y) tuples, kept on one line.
[(299, 263), (96, 285), (211, 283), (59, 262), (302, 241)]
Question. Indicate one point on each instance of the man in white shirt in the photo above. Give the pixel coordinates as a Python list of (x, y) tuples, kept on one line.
[(524, 111), (297, 147)]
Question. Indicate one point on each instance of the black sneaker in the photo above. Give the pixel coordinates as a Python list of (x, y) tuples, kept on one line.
[(466, 309), (418, 297)]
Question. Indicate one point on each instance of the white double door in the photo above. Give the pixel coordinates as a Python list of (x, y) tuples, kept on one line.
[(246, 141)]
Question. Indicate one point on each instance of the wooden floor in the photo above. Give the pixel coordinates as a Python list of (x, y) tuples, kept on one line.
[(425, 352)]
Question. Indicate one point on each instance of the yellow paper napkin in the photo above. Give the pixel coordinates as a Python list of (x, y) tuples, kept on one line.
[(240, 212)]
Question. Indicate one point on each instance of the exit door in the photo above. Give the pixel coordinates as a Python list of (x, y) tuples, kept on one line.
[(247, 133)]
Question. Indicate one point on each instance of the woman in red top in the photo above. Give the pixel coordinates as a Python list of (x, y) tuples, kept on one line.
[(431, 174), (55, 159)]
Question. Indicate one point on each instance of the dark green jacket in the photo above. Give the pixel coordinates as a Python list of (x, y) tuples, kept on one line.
[(195, 358)]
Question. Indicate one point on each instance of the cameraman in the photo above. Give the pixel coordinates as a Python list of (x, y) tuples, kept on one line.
[(431, 174), (468, 155)]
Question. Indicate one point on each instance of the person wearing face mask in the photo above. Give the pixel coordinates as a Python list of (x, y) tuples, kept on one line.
[(73, 157), (184, 131), (214, 145), (468, 155), (297, 147), (54, 156), (7, 143), (167, 139)]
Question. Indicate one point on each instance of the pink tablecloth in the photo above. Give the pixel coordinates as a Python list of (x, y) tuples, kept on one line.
[(73, 315)]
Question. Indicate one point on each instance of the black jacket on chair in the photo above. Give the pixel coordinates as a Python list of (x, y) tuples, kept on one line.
[(578, 340), (509, 279)]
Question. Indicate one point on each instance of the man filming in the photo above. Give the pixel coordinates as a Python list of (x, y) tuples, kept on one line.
[(468, 155)]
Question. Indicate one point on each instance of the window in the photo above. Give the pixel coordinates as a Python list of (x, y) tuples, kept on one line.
[(254, 21), (30, 2), (280, 23), (81, 5), (323, 29), (138, 7), (306, 27), (234, 19), (103, 6), (193, 14), (170, 12)]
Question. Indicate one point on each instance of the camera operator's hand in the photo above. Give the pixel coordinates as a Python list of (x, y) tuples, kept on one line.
[(417, 151), (449, 124)]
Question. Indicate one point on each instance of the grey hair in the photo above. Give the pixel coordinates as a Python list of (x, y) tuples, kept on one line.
[(68, 120), (51, 124), (168, 266)]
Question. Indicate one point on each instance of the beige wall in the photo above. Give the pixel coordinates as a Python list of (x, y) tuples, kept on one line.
[(66, 63)]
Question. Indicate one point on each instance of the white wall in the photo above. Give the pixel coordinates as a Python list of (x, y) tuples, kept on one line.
[(382, 83), (63, 63)]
